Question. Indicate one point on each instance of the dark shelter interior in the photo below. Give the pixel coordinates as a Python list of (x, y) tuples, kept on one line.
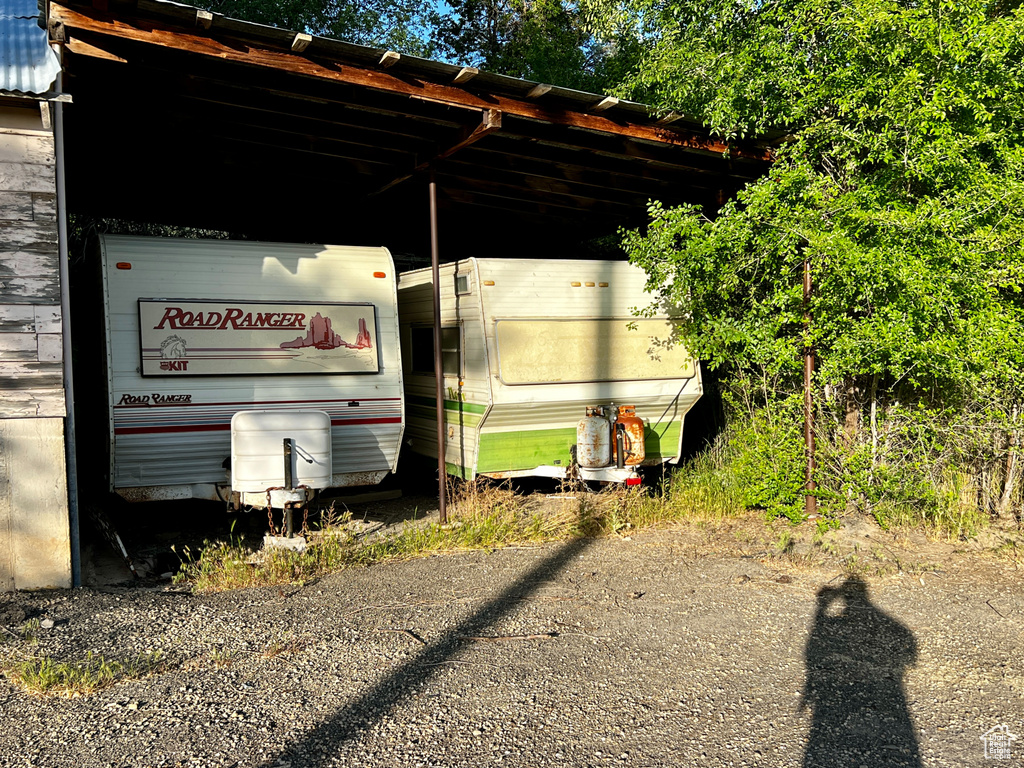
[(185, 119)]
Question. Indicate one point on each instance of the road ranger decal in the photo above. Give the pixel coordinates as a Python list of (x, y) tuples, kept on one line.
[(211, 338), (235, 317), (154, 399)]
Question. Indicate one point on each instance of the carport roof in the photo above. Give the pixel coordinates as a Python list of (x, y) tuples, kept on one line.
[(187, 117), (28, 66)]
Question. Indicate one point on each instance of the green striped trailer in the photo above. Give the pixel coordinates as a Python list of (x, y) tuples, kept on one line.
[(527, 345)]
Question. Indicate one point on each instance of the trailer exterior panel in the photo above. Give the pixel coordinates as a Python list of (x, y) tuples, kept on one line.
[(170, 430), (541, 341)]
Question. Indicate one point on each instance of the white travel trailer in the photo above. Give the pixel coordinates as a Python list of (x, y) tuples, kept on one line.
[(198, 330), (528, 346)]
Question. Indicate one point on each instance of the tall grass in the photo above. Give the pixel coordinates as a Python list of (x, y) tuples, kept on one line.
[(46, 676), (482, 516)]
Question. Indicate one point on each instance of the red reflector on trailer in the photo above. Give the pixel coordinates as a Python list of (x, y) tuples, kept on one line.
[(124, 265), (379, 274), (633, 481)]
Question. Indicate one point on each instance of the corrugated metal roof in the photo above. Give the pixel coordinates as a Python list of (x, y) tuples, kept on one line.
[(27, 63)]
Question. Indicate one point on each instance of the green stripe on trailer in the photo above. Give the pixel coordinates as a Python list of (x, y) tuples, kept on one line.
[(512, 451), (662, 446), (451, 415), (449, 405), (457, 470), (526, 449)]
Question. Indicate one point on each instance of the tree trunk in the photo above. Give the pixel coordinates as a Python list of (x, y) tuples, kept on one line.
[(1011, 467), (851, 418), (874, 422)]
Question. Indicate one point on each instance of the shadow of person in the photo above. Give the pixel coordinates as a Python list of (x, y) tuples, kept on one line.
[(856, 657)]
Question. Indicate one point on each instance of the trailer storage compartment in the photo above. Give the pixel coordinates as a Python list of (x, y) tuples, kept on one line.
[(199, 330)]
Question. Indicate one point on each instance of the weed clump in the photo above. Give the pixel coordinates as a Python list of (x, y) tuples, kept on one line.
[(46, 676), (482, 516)]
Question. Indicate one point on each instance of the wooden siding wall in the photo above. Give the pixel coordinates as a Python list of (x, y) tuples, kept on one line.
[(31, 375)]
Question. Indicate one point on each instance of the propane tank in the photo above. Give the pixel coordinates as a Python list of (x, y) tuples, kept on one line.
[(594, 439), (631, 427)]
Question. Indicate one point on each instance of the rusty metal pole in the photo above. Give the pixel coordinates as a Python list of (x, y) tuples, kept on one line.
[(810, 500), (435, 265)]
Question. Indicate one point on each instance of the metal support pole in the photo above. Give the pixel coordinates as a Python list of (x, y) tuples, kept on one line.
[(65, 314), (442, 473), (810, 500), (287, 463)]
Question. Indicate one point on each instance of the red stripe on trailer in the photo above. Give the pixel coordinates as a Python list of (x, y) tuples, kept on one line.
[(266, 402), (226, 427)]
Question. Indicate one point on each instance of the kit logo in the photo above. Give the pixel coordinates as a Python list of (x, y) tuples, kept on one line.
[(171, 349)]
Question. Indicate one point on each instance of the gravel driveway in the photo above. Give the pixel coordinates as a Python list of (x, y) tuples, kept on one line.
[(631, 652)]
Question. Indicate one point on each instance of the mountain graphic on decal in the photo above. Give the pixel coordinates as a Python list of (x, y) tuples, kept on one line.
[(321, 335)]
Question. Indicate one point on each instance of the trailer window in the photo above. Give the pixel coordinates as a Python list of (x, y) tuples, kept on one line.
[(461, 284), (423, 350), (583, 350)]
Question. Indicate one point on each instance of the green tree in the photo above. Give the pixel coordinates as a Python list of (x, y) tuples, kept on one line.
[(900, 175), (401, 25), (550, 41)]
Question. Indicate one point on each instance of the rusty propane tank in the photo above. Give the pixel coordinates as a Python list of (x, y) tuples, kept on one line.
[(632, 428), (594, 439)]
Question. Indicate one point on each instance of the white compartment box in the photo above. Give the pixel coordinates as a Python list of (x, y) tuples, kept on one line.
[(258, 454)]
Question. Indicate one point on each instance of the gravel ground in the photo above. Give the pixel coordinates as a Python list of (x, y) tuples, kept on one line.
[(647, 651)]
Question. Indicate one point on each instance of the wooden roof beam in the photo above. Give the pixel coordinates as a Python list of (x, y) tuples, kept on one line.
[(562, 138), (175, 38), (160, 77), (465, 75), (82, 48), (599, 186), (622, 175), (512, 186), (490, 121), (268, 114), (564, 212)]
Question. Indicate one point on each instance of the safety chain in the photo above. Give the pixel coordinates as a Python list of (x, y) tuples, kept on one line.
[(270, 512), (270, 509)]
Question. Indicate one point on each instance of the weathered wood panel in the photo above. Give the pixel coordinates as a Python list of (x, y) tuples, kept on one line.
[(32, 403), (29, 290), (19, 346), (29, 375), (39, 236), (48, 319), (29, 264), (27, 177), (19, 318), (49, 347), (44, 206), (26, 148), (16, 206)]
